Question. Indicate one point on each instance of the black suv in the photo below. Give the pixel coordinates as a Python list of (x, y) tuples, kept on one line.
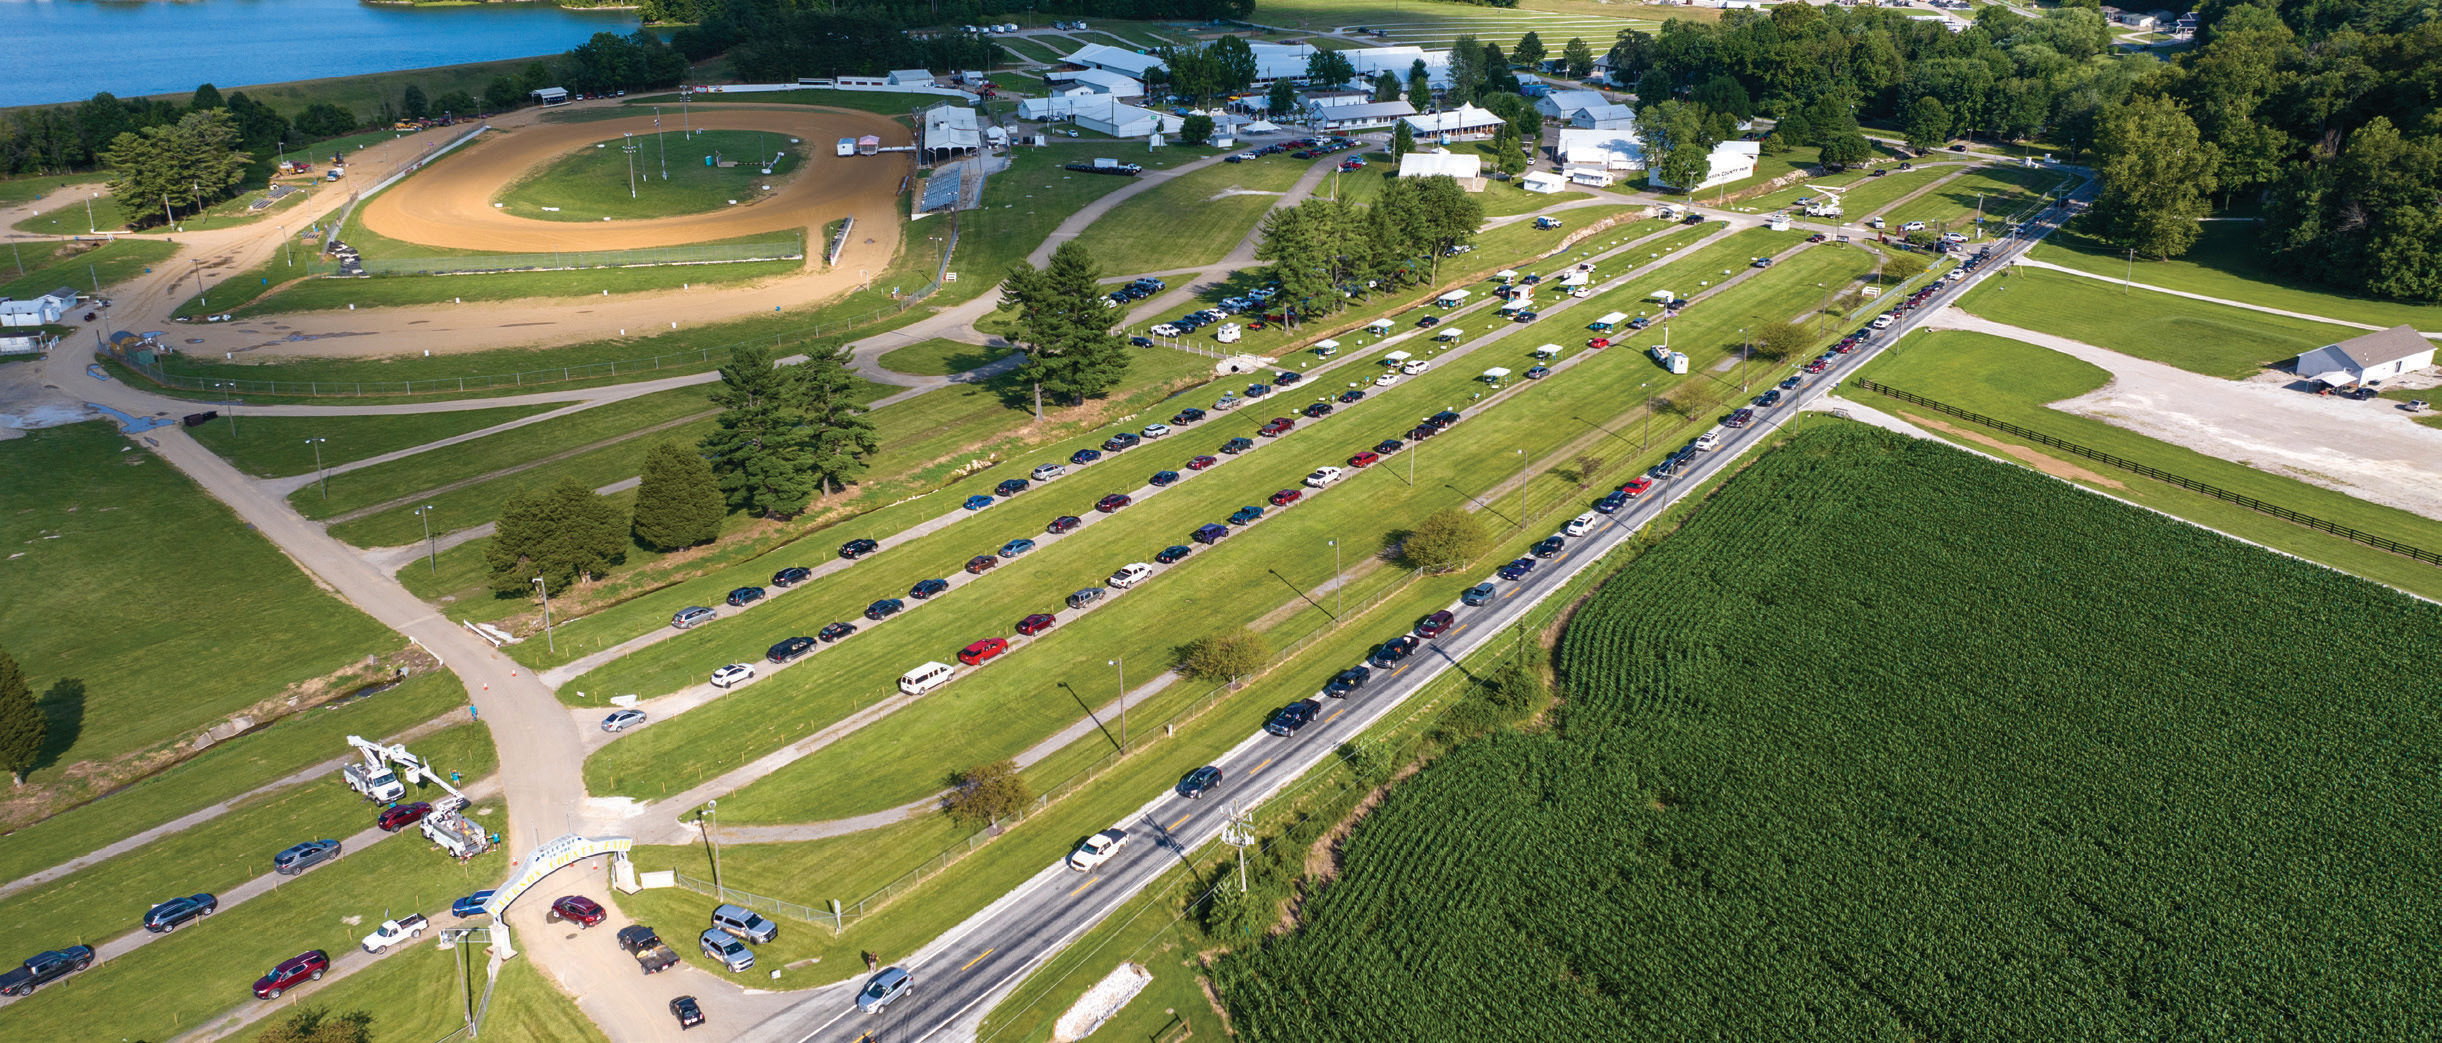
[(1200, 781), (1319, 410), (790, 650), (168, 915), (1288, 719), (1173, 554), (854, 549), (1237, 445), (1347, 681), (884, 609), (1388, 446), (744, 596), (1011, 487), (836, 631), (1120, 443), (928, 588), (792, 576)]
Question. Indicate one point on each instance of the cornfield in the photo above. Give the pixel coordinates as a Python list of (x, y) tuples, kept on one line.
[(1895, 743)]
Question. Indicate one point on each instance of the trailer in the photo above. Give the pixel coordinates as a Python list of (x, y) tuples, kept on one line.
[(1105, 166), (847, 146)]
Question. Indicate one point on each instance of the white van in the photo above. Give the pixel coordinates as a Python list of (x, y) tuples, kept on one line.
[(1229, 333), (1581, 525), (926, 678), (1414, 366), (1133, 574)]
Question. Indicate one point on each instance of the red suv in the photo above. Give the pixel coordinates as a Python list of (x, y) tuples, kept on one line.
[(1364, 459), (578, 910), (401, 816), (981, 563), (1279, 426), (1111, 503), (1036, 624), (1286, 497), (305, 967), (990, 647), (1636, 486)]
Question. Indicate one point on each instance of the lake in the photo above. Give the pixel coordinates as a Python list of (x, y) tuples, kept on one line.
[(65, 50)]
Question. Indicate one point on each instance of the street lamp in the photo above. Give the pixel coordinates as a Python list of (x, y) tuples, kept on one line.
[(549, 639), (320, 478), (1122, 666), (665, 147), (91, 227), (630, 149), (425, 513), (1339, 593), (1521, 488)]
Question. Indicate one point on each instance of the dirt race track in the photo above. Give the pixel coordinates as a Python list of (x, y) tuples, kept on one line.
[(450, 203)]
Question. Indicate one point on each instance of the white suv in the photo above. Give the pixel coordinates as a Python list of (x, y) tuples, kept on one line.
[(1153, 431), (732, 675)]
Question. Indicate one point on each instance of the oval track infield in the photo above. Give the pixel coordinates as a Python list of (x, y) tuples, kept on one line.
[(450, 203)]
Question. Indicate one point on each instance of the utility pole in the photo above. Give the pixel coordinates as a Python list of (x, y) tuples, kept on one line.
[(1338, 592), (2132, 272), (433, 553), (1236, 834), (1521, 488), (91, 227), (1122, 666), (551, 641), (320, 478), (712, 822)]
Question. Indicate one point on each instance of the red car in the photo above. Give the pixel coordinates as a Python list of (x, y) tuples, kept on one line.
[(1111, 503), (1364, 459), (1286, 497), (1201, 462), (1817, 366), (1636, 486), (304, 967), (1599, 342), (981, 563), (401, 816), (1279, 426), (1433, 625), (987, 648), (1036, 624), (578, 910)]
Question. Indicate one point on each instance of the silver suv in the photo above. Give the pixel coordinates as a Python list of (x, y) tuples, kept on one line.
[(1048, 472), (885, 987), (693, 615), (726, 950), (745, 923)]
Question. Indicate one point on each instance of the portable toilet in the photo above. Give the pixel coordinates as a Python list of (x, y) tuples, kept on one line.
[(847, 147)]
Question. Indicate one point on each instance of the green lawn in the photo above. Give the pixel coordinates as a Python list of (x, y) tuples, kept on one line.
[(274, 446), (24, 189), (1193, 219), (67, 214), (1862, 201), (882, 102), (133, 581), (1031, 50), (2213, 339), (2012, 381), (395, 291), (81, 265), (1500, 198), (603, 181), (108, 900), (409, 475), (999, 711), (415, 995), (1022, 205), (203, 971), (2227, 262), (938, 358), (226, 770), (363, 94), (1996, 191), (242, 288)]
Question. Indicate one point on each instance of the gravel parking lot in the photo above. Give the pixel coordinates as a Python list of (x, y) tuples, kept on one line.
[(2370, 450)]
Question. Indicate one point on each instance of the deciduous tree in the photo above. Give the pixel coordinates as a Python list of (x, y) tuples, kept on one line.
[(1328, 68), (1403, 141), (1530, 51), (2158, 178), (1420, 86), (1226, 656), (412, 103), (1928, 123), (1281, 100), (1580, 56), (316, 1025), (1781, 340), (987, 793), (1446, 539), (183, 166), (678, 501), (1196, 130)]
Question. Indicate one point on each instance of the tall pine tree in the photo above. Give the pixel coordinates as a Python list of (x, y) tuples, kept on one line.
[(22, 725), (679, 502), (762, 447), (1064, 327), (843, 434), (562, 534)]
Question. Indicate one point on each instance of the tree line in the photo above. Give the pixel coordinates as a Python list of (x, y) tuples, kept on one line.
[(944, 12)]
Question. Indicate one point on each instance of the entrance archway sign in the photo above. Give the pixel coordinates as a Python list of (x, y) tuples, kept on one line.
[(552, 857)]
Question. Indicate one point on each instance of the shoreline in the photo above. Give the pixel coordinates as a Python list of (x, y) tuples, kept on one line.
[(485, 3)]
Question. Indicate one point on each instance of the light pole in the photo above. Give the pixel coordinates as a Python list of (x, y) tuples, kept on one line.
[(91, 227), (1122, 666), (2132, 271), (549, 639), (630, 149), (1521, 488), (712, 836), (319, 478), (1339, 595), (433, 553), (665, 149)]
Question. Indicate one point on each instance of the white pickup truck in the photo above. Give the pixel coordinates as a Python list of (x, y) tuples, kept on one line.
[(393, 932)]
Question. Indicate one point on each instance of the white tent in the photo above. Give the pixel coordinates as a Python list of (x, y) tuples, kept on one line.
[(1261, 127), (1496, 374), (1441, 161), (1394, 358)]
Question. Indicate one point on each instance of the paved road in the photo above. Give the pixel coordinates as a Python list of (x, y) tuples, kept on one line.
[(958, 973)]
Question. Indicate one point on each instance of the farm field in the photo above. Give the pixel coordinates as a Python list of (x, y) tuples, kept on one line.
[(2086, 811), (2012, 381), (2198, 336), (2226, 263), (129, 583)]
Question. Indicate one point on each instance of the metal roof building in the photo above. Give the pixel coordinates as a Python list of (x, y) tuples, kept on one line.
[(2380, 355)]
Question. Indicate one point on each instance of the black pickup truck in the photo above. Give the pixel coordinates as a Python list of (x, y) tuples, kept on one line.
[(640, 941), (45, 967)]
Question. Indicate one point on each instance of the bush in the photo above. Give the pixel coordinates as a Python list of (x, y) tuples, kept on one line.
[(1225, 657), (987, 793), (1447, 539)]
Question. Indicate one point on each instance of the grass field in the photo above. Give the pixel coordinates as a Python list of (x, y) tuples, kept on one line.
[(363, 94), (108, 900), (67, 214), (203, 971), (132, 580), (2011, 381), (1500, 198), (397, 291), (997, 712), (1997, 192), (83, 265), (602, 181), (939, 358), (71, 217), (883, 103), (1191, 220), (415, 995), (2213, 339), (2133, 840), (1022, 205), (226, 770), (236, 290), (2227, 263), (27, 189), (274, 446)]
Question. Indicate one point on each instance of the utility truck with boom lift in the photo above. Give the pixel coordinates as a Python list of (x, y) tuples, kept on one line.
[(447, 825)]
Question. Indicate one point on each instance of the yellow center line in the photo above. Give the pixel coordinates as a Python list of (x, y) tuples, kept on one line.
[(979, 957), (1454, 630), (1267, 762), (1336, 716), (1182, 821), (1089, 882)]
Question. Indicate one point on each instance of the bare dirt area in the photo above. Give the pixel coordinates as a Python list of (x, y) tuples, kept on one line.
[(2050, 465), (450, 203), (2370, 450)]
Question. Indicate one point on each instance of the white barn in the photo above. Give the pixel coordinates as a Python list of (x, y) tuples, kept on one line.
[(1372, 115), (909, 78), (1100, 112), (1731, 161), (1096, 81), (1439, 162), (1114, 59), (38, 311), (1463, 123), (1618, 151), (2377, 356)]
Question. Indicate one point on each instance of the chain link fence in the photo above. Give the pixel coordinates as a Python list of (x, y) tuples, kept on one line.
[(565, 260)]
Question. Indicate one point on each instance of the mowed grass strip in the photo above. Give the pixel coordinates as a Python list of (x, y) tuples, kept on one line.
[(1996, 192), (1192, 220), (642, 176), (109, 899), (2228, 262), (414, 474), (1021, 206), (940, 358), (170, 612), (395, 291), (2198, 336), (415, 994), (80, 266), (277, 446), (226, 770), (2013, 381), (207, 968)]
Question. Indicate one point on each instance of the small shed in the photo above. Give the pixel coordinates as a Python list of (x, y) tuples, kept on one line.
[(550, 95), (2377, 356), (1543, 181)]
